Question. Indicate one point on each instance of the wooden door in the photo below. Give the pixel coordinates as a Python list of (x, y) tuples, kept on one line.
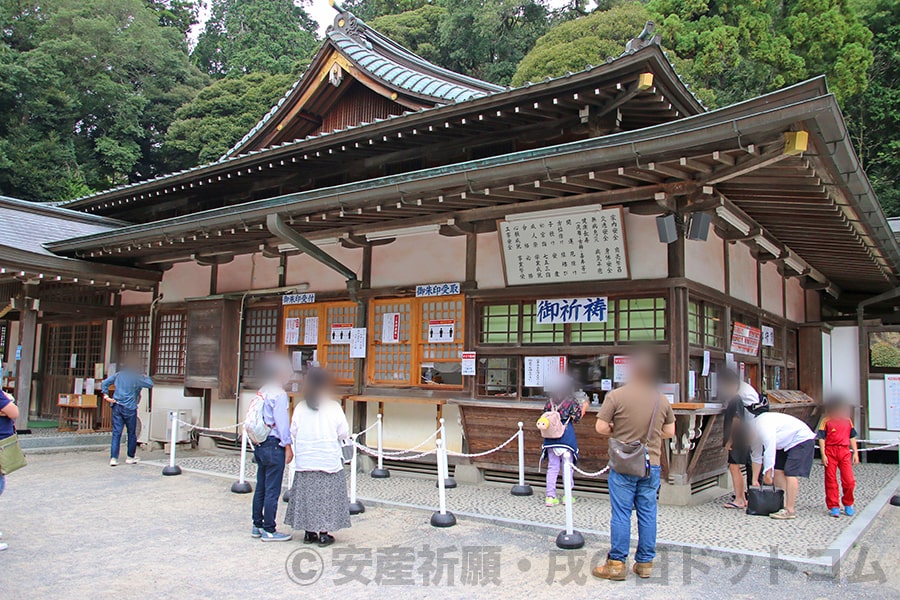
[(70, 351)]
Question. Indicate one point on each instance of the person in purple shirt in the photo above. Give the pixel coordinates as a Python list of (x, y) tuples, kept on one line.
[(276, 451), (9, 412)]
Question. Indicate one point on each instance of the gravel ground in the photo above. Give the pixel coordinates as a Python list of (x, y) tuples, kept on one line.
[(79, 529)]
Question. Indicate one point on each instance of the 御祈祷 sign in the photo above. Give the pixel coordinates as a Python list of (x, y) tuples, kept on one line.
[(340, 333), (437, 289), (621, 368), (568, 245), (768, 336), (745, 339), (292, 331), (442, 331), (468, 363), (571, 310), (390, 328), (298, 298), (540, 370)]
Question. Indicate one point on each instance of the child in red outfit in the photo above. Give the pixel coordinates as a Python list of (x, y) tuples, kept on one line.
[(837, 443)]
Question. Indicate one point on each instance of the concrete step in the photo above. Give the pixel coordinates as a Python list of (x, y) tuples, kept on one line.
[(32, 442)]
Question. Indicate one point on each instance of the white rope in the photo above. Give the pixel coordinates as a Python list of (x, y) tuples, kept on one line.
[(367, 429), (374, 453), (414, 448), (486, 452), (216, 429), (596, 474), (885, 447)]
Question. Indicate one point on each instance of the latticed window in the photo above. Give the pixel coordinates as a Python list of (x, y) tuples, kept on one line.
[(695, 329), (392, 362), (497, 376), (500, 324), (713, 326), (642, 320), (535, 333), (135, 336), (170, 345), (439, 360), (775, 352), (337, 356), (260, 336)]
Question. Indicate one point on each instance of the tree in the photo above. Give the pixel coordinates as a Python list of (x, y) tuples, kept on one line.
[(247, 36), (221, 114), (367, 10), (574, 45), (488, 38), (747, 47), (414, 30), (87, 91), (180, 14), (874, 115)]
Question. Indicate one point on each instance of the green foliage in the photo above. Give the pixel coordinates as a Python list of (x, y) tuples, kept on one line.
[(87, 91), (884, 354), (221, 114), (488, 38), (747, 47), (414, 30), (574, 45), (180, 14), (368, 10), (248, 36), (874, 115)]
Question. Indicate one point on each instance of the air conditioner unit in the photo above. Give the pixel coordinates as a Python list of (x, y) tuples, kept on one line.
[(161, 421)]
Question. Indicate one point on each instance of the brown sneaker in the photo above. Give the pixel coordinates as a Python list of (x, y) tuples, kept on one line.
[(614, 570), (643, 570)]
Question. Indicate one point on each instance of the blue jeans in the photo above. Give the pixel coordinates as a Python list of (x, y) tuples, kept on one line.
[(269, 472), (627, 492), (123, 418)]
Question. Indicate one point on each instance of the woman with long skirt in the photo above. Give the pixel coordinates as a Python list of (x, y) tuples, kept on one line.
[(318, 503)]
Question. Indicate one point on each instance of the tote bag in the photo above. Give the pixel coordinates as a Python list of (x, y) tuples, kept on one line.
[(11, 456)]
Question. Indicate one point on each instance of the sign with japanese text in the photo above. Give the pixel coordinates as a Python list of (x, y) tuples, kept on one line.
[(581, 244), (340, 333), (357, 342), (298, 298), (892, 401), (745, 339), (571, 310), (437, 289), (768, 336), (540, 370), (390, 328), (311, 331), (441, 331), (621, 368), (292, 331), (468, 363)]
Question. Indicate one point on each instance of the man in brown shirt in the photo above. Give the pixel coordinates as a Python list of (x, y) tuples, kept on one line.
[(625, 416)]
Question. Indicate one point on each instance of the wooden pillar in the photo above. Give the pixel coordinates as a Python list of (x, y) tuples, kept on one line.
[(810, 370), (360, 409), (25, 371), (679, 355)]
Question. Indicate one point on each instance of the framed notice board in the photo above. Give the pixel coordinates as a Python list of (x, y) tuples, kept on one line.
[(560, 246)]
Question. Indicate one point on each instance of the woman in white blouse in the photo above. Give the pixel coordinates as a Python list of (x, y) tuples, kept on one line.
[(318, 501)]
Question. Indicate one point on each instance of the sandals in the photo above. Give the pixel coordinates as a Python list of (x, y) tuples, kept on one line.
[(733, 505)]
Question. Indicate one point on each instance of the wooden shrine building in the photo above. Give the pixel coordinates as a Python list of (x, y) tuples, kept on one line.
[(558, 223)]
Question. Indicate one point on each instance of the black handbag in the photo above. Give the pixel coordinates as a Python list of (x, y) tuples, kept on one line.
[(764, 500)]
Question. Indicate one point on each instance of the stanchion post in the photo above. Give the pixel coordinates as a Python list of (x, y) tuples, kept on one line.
[(241, 486), (443, 517), (449, 482), (379, 472), (172, 468), (356, 507), (291, 471), (521, 488), (569, 539)]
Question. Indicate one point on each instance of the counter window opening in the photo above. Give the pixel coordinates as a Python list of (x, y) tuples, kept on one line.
[(429, 342)]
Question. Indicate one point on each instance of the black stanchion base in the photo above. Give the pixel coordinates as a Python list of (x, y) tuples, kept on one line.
[(449, 483), (521, 490), (380, 473), (895, 501), (447, 519), (357, 508), (286, 496), (572, 541), (241, 488), (169, 470)]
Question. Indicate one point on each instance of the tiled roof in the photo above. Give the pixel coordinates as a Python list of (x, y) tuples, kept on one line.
[(28, 225)]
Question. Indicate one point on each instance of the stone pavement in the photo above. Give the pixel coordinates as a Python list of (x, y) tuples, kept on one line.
[(80, 529), (707, 525)]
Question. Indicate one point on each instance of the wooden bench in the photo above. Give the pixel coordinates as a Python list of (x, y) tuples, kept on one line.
[(76, 412)]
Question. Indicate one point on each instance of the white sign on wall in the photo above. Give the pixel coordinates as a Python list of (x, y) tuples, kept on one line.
[(358, 342), (311, 331), (308, 298), (578, 244), (292, 331), (390, 328), (621, 368), (437, 289), (768, 336), (468, 363), (442, 331), (572, 310), (340, 333), (892, 401), (540, 370)]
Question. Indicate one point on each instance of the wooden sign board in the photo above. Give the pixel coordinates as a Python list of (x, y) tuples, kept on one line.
[(560, 246)]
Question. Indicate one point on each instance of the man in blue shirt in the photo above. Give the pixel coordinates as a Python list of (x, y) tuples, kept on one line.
[(128, 382)]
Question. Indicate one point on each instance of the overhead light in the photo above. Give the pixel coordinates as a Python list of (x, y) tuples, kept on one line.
[(732, 219), (794, 264), (536, 215), (323, 242), (767, 246), (405, 232)]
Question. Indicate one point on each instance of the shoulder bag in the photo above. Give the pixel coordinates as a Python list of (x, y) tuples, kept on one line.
[(764, 500), (11, 456), (632, 458)]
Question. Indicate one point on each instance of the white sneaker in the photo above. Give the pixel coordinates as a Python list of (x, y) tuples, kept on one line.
[(3, 546), (113, 462), (132, 461)]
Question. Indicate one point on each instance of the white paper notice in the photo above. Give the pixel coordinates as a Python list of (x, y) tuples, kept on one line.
[(892, 401), (713, 384), (291, 331), (79, 384), (297, 361), (311, 331), (90, 386), (621, 366), (340, 333), (98, 371), (768, 336), (730, 363), (390, 328), (468, 363), (606, 385), (705, 370), (358, 342), (692, 384), (73, 361), (442, 331), (539, 370)]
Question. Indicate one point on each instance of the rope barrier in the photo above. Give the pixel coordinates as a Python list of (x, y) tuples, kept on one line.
[(408, 450), (371, 452), (595, 474), (486, 452), (884, 447), (367, 429), (228, 429)]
